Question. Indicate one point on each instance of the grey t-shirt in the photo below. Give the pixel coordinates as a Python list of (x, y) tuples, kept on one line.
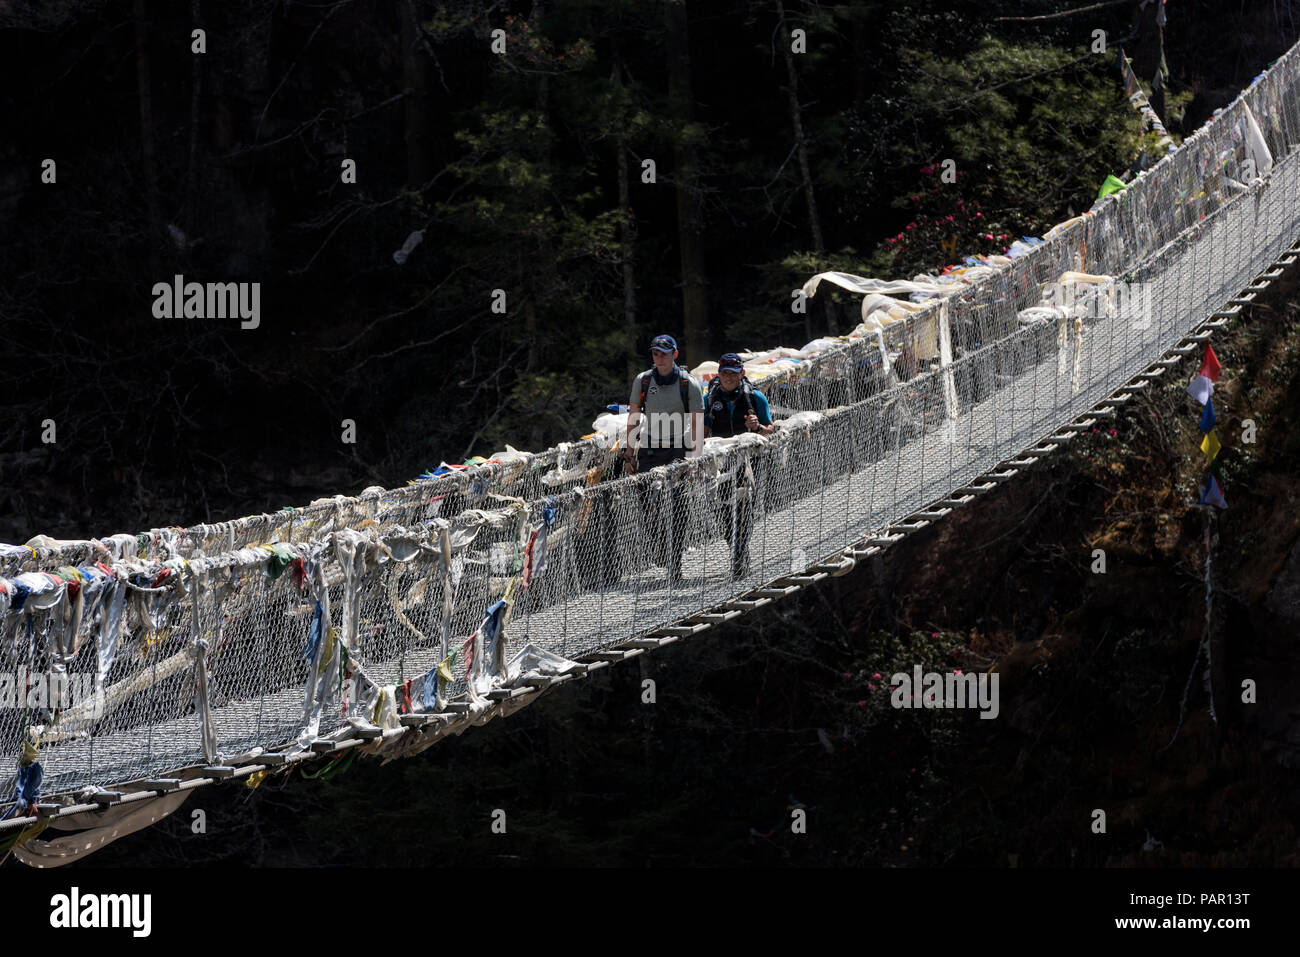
[(664, 423)]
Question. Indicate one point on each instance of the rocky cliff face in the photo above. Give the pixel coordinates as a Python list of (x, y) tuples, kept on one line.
[(1103, 705)]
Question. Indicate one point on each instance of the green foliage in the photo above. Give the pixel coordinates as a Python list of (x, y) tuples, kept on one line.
[(1032, 129)]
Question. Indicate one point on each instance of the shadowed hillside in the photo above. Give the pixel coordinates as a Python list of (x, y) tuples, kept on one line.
[(787, 711)]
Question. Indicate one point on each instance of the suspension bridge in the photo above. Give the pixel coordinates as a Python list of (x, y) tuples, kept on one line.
[(149, 665)]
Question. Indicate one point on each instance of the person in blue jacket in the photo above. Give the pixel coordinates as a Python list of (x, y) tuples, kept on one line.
[(731, 408)]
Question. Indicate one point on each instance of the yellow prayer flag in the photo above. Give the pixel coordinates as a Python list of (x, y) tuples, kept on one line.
[(254, 779), (444, 670), (1210, 444), (331, 644)]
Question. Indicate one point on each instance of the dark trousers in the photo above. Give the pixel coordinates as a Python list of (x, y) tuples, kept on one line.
[(664, 510), (737, 520)]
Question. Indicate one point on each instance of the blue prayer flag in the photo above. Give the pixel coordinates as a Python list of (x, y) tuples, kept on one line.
[(1207, 417), (1212, 493)]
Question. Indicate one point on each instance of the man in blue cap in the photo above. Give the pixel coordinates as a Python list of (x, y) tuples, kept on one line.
[(733, 407), (665, 425)]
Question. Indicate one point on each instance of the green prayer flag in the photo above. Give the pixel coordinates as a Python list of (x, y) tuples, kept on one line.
[(279, 561), (1112, 184)]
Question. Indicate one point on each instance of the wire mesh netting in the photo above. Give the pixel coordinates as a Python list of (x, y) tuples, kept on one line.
[(133, 655)]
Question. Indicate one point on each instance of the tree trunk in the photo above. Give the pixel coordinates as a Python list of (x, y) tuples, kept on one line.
[(690, 225), (801, 149), (536, 437), (861, 60), (627, 222), (415, 78), (539, 272), (188, 216), (144, 92)]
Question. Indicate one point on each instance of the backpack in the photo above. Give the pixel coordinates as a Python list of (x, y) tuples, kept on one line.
[(682, 381)]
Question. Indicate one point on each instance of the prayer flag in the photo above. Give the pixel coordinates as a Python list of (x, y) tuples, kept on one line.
[(1200, 389), (493, 632), (1111, 184), (528, 558), (1207, 417), (439, 673), (492, 621), (1211, 368), (1212, 494), (1210, 446)]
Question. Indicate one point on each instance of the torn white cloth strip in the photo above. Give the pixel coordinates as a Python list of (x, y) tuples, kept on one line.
[(91, 595), (122, 545), (320, 687), (1256, 148), (884, 352), (143, 604), (535, 552), (14, 551), (1039, 315), (493, 631), (535, 660), (1062, 347), (43, 591), (865, 286), (67, 624), (58, 546), (62, 850), (487, 668), (202, 702), (1078, 356), (377, 707), (945, 360), (448, 591), (350, 547), (110, 624)]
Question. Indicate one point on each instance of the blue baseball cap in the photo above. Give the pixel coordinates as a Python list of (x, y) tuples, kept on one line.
[(663, 344), (731, 363)]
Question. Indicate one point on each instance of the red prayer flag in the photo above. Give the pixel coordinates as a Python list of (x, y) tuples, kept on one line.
[(528, 558), (1211, 368)]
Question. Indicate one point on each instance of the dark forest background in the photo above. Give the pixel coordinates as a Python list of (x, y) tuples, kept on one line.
[(524, 171)]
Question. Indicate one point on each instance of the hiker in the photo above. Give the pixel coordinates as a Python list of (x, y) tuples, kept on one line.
[(665, 425), (733, 408)]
